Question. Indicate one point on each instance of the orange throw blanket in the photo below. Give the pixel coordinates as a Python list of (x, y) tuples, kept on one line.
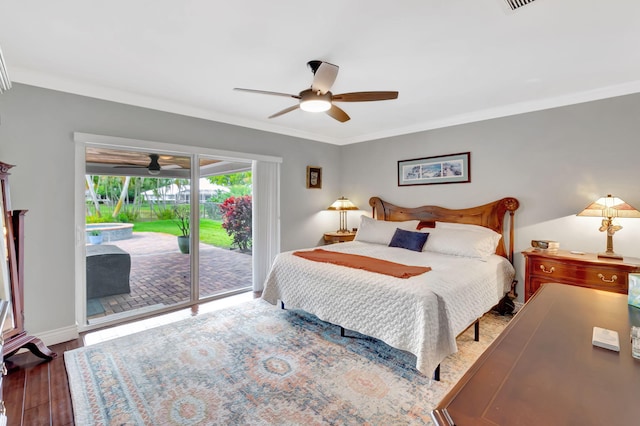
[(370, 264)]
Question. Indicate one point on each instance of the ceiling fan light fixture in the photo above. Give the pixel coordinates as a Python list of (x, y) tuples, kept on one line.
[(315, 106), (154, 166), (315, 102)]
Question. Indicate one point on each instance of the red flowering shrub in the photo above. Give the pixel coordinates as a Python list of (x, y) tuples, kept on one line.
[(236, 220)]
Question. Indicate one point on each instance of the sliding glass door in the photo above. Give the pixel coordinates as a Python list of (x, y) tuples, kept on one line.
[(161, 226), (225, 227), (137, 233), (150, 230)]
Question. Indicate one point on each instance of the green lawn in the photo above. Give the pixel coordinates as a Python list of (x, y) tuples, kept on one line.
[(211, 231)]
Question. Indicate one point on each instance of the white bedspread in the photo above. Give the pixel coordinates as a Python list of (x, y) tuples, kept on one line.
[(422, 314)]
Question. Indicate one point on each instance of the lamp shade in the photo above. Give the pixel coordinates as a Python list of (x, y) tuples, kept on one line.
[(609, 207), (342, 204)]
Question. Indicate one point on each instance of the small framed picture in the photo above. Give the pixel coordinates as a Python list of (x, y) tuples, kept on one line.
[(452, 168), (314, 177)]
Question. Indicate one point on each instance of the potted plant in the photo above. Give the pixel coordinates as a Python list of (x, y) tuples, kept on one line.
[(181, 218), (95, 237)]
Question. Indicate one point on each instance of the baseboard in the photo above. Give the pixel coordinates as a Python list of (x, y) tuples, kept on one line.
[(59, 335)]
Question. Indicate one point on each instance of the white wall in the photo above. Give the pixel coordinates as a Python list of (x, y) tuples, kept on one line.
[(555, 162), (36, 134)]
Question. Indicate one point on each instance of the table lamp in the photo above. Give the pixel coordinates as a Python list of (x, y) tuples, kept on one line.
[(342, 204), (609, 208)]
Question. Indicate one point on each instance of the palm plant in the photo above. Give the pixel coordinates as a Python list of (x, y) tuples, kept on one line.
[(181, 218)]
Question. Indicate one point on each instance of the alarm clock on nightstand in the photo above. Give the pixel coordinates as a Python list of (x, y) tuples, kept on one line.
[(545, 244)]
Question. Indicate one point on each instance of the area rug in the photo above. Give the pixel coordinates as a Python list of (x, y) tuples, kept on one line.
[(255, 364)]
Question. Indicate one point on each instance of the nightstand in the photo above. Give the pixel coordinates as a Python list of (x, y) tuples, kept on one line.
[(583, 270), (338, 237)]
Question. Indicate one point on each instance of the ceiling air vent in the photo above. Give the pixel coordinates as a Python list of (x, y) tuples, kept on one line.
[(515, 4)]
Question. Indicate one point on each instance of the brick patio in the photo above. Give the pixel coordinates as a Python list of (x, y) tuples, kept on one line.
[(160, 273)]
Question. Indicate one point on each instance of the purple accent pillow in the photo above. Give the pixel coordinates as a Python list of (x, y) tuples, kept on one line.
[(409, 240)]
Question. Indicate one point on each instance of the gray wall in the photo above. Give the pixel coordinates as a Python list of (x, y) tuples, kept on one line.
[(36, 134), (555, 162)]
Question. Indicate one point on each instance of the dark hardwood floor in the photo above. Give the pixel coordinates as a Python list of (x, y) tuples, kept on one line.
[(36, 392)]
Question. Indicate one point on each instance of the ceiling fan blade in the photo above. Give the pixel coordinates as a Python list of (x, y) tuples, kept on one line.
[(338, 114), (365, 96), (284, 111), (266, 92), (324, 77)]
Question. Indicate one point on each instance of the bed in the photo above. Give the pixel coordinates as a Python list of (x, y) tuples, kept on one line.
[(422, 314)]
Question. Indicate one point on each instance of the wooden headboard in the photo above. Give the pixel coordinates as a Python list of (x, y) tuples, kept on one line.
[(489, 215)]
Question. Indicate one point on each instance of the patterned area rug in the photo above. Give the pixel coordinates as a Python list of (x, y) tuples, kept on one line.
[(255, 364)]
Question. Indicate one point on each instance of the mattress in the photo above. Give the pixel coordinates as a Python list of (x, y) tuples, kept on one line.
[(422, 314)]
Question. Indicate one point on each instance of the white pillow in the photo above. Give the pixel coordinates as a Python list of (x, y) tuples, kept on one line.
[(462, 242), (381, 231), (466, 227)]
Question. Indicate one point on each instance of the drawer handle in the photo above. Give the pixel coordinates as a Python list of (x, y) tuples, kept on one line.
[(547, 271), (613, 279)]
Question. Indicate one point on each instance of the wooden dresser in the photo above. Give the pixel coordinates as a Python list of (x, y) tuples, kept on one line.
[(584, 270), (543, 370)]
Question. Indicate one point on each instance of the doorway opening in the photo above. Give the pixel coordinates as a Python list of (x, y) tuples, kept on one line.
[(163, 229)]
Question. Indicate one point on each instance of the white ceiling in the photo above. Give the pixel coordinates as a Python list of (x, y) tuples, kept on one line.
[(453, 61)]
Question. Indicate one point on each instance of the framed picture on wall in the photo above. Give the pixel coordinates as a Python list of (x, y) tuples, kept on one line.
[(452, 168), (314, 177)]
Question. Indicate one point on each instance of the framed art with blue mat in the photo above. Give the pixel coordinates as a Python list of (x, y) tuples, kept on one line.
[(452, 168)]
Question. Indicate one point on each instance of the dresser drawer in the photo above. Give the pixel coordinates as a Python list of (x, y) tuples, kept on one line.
[(579, 270), (552, 269), (534, 282), (595, 276)]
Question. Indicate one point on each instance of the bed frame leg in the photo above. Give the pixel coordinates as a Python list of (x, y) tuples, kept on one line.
[(476, 329), (341, 331), (436, 374), (281, 304)]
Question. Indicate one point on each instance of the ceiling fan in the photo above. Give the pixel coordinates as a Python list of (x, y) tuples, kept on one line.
[(319, 98), (153, 167)]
